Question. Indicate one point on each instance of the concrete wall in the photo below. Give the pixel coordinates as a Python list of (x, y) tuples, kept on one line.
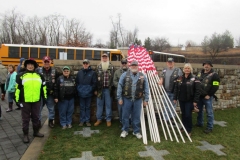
[(228, 93)]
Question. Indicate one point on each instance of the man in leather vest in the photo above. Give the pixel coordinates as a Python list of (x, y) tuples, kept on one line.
[(132, 90), (209, 85), (116, 78), (105, 73), (167, 78), (50, 74)]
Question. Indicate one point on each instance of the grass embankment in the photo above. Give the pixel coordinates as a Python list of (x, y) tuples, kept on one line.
[(63, 145)]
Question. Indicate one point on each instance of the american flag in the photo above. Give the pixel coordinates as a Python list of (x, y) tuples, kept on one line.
[(140, 54)]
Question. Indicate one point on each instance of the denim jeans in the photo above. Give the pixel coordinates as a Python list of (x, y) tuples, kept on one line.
[(50, 105), (132, 108), (10, 96), (186, 109), (104, 100), (168, 108), (85, 109), (66, 108), (209, 111), (119, 112)]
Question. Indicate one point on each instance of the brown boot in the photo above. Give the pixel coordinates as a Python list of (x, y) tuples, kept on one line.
[(10, 104), (109, 123), (25, 136), (97, 123)]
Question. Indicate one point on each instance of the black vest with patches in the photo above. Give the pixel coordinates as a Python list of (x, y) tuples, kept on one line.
[(67, 87), (50, 78), (173, 77), (206, 81), (127, 86), (100, 75)]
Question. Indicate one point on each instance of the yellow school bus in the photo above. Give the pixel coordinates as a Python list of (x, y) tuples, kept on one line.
[(11, 53)]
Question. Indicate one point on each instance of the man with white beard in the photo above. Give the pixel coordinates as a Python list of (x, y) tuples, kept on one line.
[(105, 72), (132, 90)]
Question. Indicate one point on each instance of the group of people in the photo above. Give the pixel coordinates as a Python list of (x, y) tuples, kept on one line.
[(192, 92), (33, 87)]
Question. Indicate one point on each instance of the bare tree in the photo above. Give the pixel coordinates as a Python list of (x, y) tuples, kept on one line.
[(160, 44)]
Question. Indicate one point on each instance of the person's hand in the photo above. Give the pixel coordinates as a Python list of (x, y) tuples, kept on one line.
[(56, 100), (120, 102), (160, 82), (207, 97), (145, 103), (95, 92), (194, 104)]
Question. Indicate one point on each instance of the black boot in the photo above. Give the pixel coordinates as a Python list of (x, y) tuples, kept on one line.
[(10, 104), (50, 123), (36, 133), (25, 136), (39, 124)]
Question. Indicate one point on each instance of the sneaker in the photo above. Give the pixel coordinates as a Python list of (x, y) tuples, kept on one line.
[(64, 127), (123, 134), (207, 131), (69, 126), (88, 124), (138, 135), (80, 124)]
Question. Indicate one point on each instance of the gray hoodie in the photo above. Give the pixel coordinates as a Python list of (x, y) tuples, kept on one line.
[(3, 74)]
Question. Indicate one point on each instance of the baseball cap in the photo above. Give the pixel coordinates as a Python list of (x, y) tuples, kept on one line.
[(124, 60), (66, 67), (86, 61), (105, 54), (170, 59), (46, 58), (134, 63)]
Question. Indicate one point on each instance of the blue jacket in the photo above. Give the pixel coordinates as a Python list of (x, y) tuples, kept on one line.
[(86, 82), (12, 83), (19, 66)]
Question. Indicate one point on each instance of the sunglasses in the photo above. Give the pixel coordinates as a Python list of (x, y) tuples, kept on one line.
[(85, 63), (124, 63), (46, 61)]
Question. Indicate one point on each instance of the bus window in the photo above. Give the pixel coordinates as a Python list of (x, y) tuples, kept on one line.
[(88, 54), (13, 52), (52, 53), (70, 54), (43, 52), (79, 54), (34, 52), (97, 55), (24, 52), (60, 50)]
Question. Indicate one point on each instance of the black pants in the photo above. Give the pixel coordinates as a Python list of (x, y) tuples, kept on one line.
[(2, 88), (30, 111)]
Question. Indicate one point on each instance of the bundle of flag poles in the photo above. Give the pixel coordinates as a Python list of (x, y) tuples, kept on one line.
[(158, 102)]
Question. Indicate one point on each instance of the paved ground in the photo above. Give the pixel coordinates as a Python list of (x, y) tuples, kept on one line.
[(11, 145)]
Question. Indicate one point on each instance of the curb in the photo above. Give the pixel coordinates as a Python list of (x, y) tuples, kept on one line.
[(36, 146)]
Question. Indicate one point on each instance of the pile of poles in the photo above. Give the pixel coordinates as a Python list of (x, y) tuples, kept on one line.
[(158, 102)]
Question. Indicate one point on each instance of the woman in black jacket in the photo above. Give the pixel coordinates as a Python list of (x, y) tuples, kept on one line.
[(187, 91)]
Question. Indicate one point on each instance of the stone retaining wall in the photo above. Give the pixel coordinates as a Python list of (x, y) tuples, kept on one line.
[(228, 93)]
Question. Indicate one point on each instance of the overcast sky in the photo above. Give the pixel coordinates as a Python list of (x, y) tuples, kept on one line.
[(176, 20)]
